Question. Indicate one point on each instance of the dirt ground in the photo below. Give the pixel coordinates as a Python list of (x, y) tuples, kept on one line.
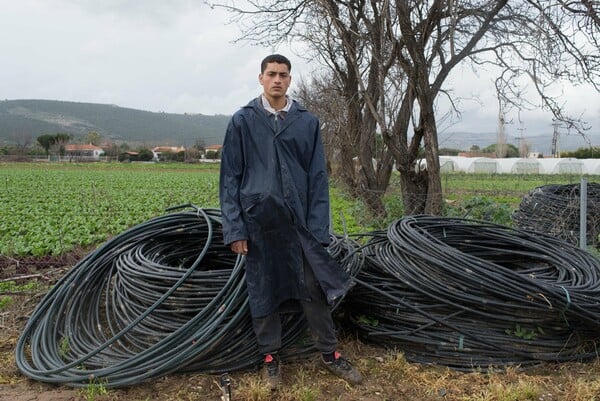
[(387, 375)]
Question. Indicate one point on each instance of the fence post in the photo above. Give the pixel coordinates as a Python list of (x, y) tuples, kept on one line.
[(583, 214)]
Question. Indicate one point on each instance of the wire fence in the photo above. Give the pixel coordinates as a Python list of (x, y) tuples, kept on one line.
[(557, 210), (542, 203)]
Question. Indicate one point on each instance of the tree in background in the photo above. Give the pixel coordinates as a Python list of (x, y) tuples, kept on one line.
[(191, 155), (46, 141), (510, 150), (60, 140), (389, 63), (112, 151), (93, 138), (145, 155), (200, 145), (591, 152)]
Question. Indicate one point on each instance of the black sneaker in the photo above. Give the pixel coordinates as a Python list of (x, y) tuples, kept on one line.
[(271, 372), (342, 368)]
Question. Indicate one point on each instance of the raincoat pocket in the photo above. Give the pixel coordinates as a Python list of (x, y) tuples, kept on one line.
[(266, 211)]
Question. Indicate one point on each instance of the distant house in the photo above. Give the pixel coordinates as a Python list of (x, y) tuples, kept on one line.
[(159, 150), (213, 151), (129, 156), (82, 152)]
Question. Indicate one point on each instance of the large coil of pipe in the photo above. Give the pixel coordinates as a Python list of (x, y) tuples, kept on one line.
[(471, 294), (555, 210), (164, 296)]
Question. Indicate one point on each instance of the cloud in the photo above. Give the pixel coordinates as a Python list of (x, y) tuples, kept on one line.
[(178, 56), (151, 12), (170, 56)]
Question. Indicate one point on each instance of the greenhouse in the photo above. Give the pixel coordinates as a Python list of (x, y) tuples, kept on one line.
[(476, 165), (591, 166), (516, 165), (561, 166), (447, 165), (468, 164)]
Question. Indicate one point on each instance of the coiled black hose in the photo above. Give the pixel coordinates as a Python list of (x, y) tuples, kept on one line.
[(167, 296), (555, 210), (470, 294), (164, 296)]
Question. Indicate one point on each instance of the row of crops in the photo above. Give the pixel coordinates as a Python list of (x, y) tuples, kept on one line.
[(48, 209)]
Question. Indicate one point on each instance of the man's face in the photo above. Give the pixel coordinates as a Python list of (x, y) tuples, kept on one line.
[(275, 80)]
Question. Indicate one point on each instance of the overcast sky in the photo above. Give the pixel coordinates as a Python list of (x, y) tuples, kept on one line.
[(177, 56)]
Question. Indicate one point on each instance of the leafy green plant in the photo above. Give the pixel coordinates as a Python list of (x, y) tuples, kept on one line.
[(5, 302), (64, 348), (7, 286), (12, 286), (94, 389), (524, 333), (481, 208), (347, 214), (368, 321), (52, 209)]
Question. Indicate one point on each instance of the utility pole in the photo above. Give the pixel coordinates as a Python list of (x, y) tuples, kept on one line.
[(501, 134), (555, 151), (522, 145)]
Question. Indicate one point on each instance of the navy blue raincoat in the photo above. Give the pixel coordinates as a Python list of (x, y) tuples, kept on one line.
[(274, 193)]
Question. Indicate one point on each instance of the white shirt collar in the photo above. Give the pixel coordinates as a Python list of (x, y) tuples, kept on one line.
[(267, 106)]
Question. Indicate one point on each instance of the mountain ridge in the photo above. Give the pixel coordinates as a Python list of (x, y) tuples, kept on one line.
[(23, 119), (35, 117)]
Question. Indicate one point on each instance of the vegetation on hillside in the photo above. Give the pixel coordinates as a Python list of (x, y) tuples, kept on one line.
[(22, 120)]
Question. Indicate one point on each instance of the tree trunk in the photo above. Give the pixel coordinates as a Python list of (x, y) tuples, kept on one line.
[(434, 204), (414, 191)]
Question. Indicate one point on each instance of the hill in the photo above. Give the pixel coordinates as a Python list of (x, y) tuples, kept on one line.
[(538, 143), (27, 119), (20, 119)]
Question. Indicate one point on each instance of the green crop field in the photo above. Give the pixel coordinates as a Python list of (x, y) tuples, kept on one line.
[(49, 209)]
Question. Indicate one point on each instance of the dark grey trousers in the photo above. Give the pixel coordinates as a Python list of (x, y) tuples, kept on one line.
[(318, 316)]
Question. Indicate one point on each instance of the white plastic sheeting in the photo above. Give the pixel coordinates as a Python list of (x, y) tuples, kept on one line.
[(561, 166), (591, 166), (475, 164), (447, 165), (517, 165)]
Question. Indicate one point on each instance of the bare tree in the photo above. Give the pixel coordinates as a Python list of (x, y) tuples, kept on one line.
[(359, 69), (22, 143), (326, 101), (390, 61)]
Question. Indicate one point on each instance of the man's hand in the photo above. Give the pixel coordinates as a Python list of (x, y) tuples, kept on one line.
[(240, 247)]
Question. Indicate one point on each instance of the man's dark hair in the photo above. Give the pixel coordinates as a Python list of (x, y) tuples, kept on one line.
[(275, 58)]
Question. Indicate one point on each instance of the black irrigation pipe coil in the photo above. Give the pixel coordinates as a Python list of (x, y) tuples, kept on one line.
[(164, 296), (472, 294), (554, 210), (167, 296)]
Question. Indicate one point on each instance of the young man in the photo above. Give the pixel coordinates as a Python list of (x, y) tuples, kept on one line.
[(275, 208)]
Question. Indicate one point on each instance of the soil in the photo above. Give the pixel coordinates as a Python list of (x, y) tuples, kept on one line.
[(387, 375)]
